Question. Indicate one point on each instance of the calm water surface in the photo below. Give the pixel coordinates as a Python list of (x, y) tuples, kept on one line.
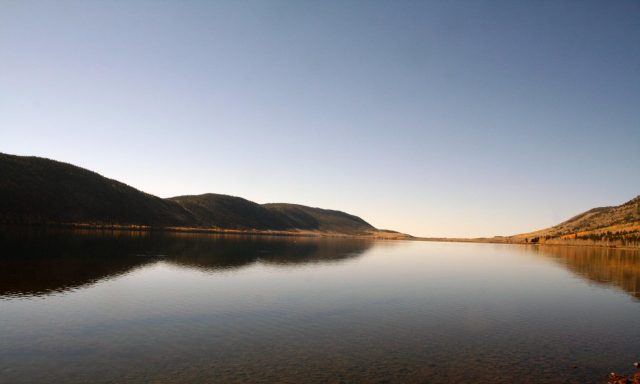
[(145, 308)]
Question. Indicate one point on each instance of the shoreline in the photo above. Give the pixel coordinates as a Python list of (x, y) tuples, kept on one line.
[(377, 235), (505, 240)]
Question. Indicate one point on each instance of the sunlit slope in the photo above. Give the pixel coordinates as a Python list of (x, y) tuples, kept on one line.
[(610, 224)]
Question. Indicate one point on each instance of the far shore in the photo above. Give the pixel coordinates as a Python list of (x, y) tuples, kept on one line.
[(518, 241), (377, 235), (373, 235)]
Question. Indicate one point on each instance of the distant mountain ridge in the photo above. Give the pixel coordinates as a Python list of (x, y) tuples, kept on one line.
[(35, 190)]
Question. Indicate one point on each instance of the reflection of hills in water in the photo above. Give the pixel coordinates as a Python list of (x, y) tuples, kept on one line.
[(225, 252), (46, 262), (610, 266)]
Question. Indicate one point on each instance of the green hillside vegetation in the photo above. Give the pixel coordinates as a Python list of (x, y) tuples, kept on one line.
[(35, 190)]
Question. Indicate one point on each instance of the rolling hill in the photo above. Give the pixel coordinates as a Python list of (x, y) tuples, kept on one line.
[(36, 190), (223, 211), (300, 216), (237, 213), (616, 225)]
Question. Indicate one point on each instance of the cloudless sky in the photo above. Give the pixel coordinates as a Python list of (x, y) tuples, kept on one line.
[(436, 118)]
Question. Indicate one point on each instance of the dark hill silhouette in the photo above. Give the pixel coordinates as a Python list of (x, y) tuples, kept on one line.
[(35, 190), (223, 211), (617, 225), (303, 217), (38, 190)]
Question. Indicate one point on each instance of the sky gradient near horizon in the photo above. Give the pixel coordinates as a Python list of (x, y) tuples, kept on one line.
[(435, 118)]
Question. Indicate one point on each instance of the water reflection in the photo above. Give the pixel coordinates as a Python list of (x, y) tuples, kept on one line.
[(607, 266), (214, 253), (46, 261), (194, 308)]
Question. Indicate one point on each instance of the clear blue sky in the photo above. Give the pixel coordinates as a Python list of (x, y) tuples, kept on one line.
[(436, 118)]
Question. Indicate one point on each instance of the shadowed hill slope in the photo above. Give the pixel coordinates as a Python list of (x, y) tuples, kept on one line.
[(303, 217), (223, 211), (38, 190), (35, 190)]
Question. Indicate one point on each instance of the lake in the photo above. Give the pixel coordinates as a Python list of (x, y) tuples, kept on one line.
[(112, 307)]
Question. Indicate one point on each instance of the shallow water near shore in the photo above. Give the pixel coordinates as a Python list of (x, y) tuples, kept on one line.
[(141, 307)]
